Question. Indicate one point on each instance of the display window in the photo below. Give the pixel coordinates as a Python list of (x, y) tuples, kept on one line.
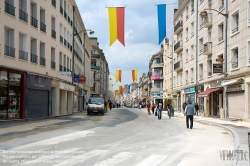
[(3, 94)]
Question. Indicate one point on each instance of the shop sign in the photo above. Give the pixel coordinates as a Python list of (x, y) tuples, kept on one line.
[(218, 68), (235, 88), (65, 73), (82, 80), (38, 82), (189, 90), (156, 94), (66, 87), (214, 84), (155, 77), (76, 78)]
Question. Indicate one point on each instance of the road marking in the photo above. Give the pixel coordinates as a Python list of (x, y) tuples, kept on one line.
[(56, 140), (116, 159), (81, 158), (152, 160), (186, 161), (46, 158)]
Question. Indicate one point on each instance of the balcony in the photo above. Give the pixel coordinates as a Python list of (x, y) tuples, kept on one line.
[(23, 55), (33, 58), (65, 15), (42, 27), (61, 39), (53, 65), (207, 48), (33, 21), (178, 27), (156, 89), (23, 16), (178, 46), (9, 51), (60, 68), (95, 67), (208, 20), (157, 65), (42, 61), (53, 33), (53, 2), (61, 10), (68, 20), (65, 42), (9, 9), (178, 66), (64, 69)]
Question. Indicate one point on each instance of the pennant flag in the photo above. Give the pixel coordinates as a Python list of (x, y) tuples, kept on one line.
[(116, 24), (118, 75), (119, 91), (134, 75), (170, 22), (128, 88), (161, 9)]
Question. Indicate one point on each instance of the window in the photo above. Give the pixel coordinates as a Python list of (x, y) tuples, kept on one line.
[(186, 55), (192, 75), (42, 54), (9, 7), (235, 22), (9, 42), (64, 63), (192, 29), (53, 27), (158, 60), (186, 34), (33, 13), (53, 60), (248, 53), (201, 45), (186, 76), (209, 66), (23, 53), (221, 5), (220, 32), (235, 58), (158, 84), (209, 35), (201, 21), (60, 62), (201, 71), (192, 6), (61, 33), (33, 55), (186, 12), (23, 10), (192, 52)]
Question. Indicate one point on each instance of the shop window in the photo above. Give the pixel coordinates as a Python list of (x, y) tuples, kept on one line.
[(3, 94), (235, 58)]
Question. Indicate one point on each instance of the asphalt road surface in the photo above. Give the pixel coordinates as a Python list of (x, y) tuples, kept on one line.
[(122, 137)]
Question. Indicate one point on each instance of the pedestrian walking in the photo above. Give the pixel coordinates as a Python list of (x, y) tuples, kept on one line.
[(196, 106), (189, 113), (170, 108), (153, 107), (160, 106), (184, 106), (110, 105), (148, 107)]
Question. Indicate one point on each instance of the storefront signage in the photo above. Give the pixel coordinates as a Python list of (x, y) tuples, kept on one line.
[(214, 84), (218, 68), (157, 94), (66, 87), (155, 76), (234, 88), (65, 73), (189, 90), (38, 82), (76, 78), (82, 80)]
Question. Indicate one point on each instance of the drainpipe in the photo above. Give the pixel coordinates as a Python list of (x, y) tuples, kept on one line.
[(225, 103)]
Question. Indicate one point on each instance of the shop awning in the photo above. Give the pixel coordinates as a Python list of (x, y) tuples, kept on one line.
[(230, 82), (207, 92)]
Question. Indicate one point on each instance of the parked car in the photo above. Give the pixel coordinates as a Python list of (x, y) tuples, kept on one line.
[(95, 105)]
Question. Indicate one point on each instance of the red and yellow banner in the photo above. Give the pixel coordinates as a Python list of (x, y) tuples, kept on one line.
[(134, 75), (119, 90), (116, 24), (118, 75)]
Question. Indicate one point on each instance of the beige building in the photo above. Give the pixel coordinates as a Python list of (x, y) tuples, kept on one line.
[(99, 70), (206, 72), (36, 57)]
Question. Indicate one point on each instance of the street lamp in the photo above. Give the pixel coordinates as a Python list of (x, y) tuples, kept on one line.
[(73, 54), (204, 14)]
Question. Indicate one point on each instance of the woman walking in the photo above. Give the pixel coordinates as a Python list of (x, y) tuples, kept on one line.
[(160, 106), (153, 107)]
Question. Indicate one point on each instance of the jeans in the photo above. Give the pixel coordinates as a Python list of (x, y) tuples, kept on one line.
[(191, 117), (159, 113)]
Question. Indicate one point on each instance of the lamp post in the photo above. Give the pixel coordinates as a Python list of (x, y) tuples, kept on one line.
[(204, 14)]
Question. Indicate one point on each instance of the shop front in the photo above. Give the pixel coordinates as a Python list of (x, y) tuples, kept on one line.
[(66, 105), (212, 98), (12, 94), (38, 96), (190, 94)]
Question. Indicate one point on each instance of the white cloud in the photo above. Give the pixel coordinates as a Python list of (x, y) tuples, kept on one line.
[(141, 33)]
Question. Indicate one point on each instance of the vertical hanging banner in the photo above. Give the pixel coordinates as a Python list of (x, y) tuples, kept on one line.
[(161, 10), (116, 24), (118, 75), (134, 75), (170, 22), (129, 88)]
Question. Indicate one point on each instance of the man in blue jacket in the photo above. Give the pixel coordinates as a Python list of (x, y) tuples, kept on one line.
[(189, 113)]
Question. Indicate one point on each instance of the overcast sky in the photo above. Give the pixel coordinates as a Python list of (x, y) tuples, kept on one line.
[(141, 33)]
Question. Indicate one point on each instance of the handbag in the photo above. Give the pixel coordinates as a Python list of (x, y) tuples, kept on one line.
[(156, 112)]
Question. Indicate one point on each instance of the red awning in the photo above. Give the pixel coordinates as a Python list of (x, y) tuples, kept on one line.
[(207, 92)]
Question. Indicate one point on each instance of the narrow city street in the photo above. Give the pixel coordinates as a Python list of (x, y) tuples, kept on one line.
[(124, 137)]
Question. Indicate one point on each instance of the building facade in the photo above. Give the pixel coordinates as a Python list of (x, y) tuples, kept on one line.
[(36, 52), (211, 56)]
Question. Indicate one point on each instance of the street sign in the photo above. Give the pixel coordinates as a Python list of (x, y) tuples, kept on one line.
[(76, 78), (65, 73), (218, 68)]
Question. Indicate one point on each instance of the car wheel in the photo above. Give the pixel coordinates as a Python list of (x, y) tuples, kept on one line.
[(88, 113), (102, 113)]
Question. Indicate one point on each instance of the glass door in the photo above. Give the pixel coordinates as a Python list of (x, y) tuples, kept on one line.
[(3, 94)]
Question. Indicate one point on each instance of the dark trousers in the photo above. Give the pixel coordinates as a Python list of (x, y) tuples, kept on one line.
[(191, 117), (153, 110)]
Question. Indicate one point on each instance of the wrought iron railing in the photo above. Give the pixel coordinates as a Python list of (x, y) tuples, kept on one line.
[(53, 2), (9, 9), (42, 61), (61, 10), (61, 39), (42, 27), (33, 21), (9, 51), (33, 58), (23, 55), (53, 33), (23, 16), (53, 65)]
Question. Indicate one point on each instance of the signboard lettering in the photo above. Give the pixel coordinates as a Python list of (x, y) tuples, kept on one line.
[(218, 68)]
